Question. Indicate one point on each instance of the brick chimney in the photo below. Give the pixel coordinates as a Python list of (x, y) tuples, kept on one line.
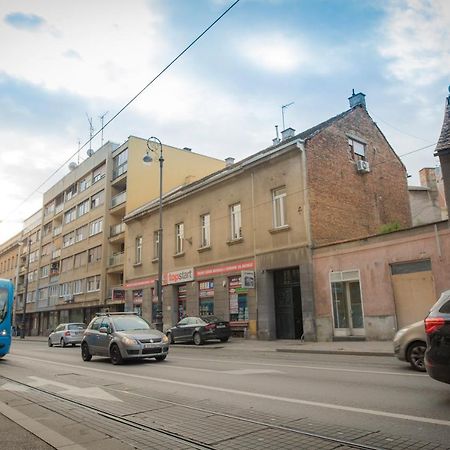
[(443, 150), (358, 99)]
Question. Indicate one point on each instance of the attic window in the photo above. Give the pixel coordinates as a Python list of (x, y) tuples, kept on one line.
[(358, 149)]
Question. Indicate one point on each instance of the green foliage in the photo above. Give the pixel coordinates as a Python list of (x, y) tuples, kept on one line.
[(389, 227)]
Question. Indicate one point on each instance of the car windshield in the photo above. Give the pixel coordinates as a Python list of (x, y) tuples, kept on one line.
[(130, 323), (77, 326), (3, 303)]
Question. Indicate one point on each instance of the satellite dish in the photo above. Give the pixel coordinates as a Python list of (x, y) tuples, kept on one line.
[(72, 166), (90, 152)]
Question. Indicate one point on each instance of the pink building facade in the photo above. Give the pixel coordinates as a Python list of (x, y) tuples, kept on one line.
[(368, 288)]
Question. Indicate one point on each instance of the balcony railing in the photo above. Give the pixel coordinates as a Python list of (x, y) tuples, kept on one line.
[(116, 259), (118, 199), (117, 229), (42, 303), (120, 170)]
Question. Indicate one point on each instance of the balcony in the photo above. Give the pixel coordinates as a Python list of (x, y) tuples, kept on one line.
[(115, 230), (120, 170), (116, 259), (57, 230), (59, 208), (42, 303), (56, 253), (119, 199)]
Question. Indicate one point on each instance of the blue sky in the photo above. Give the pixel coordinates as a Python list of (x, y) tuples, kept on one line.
[(61, 60)]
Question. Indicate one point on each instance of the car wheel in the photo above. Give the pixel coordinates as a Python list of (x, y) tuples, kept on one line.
[(114, 354), (73, 345), (171, 338), (415, 355), (197, 338), (50, 342), (160, 357), (62, 342), (224, 339), (85, 354)]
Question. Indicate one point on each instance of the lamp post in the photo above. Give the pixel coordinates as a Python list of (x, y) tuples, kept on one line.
[(25, 293), (151, 143)]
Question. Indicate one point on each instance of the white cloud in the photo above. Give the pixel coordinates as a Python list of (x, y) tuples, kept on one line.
[(117, 51), (417, 40)]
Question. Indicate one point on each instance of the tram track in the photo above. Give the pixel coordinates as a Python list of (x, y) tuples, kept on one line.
[(334, 442)]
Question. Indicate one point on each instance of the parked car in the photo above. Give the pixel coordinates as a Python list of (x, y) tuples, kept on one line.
[(410, 344), (437, 328), (66, 333), (121, 336), (199, 330)]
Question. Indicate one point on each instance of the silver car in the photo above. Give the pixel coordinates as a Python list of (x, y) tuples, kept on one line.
[(410, 344), (121, 336), (66, 333)]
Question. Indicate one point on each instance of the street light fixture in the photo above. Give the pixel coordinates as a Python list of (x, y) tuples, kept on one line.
[(25, 293), (152, 144)]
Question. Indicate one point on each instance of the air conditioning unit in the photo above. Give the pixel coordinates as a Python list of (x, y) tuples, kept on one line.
[(362, 166)]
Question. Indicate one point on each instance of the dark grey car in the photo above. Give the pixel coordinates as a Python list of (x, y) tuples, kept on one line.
[(121, 336)]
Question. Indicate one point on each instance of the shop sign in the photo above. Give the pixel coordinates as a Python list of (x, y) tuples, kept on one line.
[(137, 297), (180, 276), (248, 279), (118, 294), (221, 270), (140, 283)]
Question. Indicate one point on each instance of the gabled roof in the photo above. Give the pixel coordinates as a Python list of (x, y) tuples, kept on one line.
[(444, 139)]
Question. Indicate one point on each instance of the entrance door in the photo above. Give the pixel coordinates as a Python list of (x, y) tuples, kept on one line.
[(347, 305), (288, 304)]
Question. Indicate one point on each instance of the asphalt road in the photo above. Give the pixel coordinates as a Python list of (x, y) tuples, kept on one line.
[(378, 394)]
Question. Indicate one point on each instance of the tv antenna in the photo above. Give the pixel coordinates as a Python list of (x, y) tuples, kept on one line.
[(91, 132), (282, 112), (102, 118)]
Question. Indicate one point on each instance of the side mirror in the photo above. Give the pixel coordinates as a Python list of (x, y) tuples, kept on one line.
[(103, 330)]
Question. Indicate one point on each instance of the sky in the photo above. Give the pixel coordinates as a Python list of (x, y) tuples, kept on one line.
[(64, 62)]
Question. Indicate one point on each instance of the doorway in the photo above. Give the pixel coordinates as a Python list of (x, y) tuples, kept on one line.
[(288, 304), (347, 305)]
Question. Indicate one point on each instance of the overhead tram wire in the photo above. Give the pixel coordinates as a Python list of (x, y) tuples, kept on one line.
[(36, 190)]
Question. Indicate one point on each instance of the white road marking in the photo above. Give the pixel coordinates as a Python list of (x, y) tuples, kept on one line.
[(301, 366), (248, 371), (67, 389), (204, 387)]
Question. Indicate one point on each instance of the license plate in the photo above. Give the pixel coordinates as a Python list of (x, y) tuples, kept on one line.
[(148, 345), (220, 326)]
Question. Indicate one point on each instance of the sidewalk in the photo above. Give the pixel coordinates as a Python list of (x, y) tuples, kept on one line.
[(362, 348)]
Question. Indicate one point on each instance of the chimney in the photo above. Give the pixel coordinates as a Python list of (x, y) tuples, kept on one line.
[(229, 161), (357, 99), (276, 140), (287, 133)]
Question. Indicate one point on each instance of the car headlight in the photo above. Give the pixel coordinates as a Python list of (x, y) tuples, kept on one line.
[(165, 339), (129, 341), (3, 332)]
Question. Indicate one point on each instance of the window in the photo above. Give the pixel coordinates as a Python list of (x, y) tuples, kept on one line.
[(65, 289), (71, 192), (120, 164), (97, 199), (205, 221), (34, 256), (68, 239), (98, 173), (95, 254), (67, 264), (93, 283), (70, 215), (279, 207), (156, 244), (358, 149), (46, 249), (96, 226), (77, 286), (44, 271), (179, 237), (84, 184), (80, 233), (79, 260), (235, 215), (83, 208), (138, 250), (48, 227)]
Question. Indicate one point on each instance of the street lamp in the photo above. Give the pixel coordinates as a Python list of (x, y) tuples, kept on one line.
[(25, 293), (152, 144)]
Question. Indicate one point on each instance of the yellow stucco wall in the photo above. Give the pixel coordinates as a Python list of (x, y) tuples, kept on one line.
[(180, 167)]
